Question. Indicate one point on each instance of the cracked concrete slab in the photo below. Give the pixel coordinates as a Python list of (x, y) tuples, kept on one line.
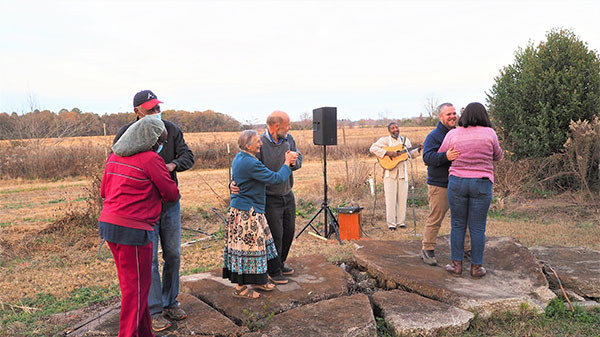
[(514, 274), (578, 268), (346, 316), (315, 279), (412, 314)]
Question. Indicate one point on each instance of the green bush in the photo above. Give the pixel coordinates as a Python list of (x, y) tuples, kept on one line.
[(556, 309), (534, 99)]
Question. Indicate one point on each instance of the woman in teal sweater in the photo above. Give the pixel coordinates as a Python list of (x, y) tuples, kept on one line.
[(248, 241)]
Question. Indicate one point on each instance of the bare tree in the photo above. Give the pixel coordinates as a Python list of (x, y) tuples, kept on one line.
[(45, 127), (305, 122), (431, 106)]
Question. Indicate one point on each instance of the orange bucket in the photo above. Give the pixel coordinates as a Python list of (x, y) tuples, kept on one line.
[(349, 220)]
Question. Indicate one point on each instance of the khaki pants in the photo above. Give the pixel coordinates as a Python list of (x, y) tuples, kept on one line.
[(438, 206), (396, 193)]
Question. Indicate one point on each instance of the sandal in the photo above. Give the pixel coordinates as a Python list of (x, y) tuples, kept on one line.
[(266, 287), (244, 292)]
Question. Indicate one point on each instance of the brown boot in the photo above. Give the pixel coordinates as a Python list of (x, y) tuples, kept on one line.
[(455, 268), (477, 271)]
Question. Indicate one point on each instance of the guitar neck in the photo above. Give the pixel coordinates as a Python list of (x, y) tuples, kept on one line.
[(409, 149)]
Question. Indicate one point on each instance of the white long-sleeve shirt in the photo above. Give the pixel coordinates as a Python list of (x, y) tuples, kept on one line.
[(398, 172)]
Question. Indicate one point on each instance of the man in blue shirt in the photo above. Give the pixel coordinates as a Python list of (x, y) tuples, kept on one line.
[(437, 179)]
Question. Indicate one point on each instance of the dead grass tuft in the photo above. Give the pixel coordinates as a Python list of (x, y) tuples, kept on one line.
[(39, 161), (76, 156), (212, 153), (353, 183), (74, 218)]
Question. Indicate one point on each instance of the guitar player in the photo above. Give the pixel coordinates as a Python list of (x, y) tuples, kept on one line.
[(395, 180)]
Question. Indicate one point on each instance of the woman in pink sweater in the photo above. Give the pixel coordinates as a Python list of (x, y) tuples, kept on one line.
[(470, 185)]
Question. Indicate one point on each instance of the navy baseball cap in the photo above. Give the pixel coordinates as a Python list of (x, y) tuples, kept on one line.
[(146, 98)]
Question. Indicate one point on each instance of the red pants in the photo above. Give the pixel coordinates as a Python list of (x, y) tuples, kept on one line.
[(134, 267)]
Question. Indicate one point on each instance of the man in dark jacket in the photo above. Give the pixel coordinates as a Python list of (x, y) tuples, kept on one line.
[(437, 179), (162, 299)]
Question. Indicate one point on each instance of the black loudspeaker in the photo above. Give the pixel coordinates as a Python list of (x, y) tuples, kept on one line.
[(325, 126)]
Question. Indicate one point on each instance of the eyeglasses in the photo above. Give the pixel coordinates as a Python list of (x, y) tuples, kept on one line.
[(161, 141), (155, 109)]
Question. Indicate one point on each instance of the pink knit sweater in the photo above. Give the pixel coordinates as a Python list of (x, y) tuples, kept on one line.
[(478, 146)]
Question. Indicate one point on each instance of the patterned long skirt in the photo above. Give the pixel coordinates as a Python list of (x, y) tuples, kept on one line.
[(248, 247)]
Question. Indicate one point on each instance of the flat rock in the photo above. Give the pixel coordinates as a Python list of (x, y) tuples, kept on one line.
[(587, 305), (201, 320), (578, 268), (315, 279), (514, 274), (105, 325), (412, 314), (346, 316)]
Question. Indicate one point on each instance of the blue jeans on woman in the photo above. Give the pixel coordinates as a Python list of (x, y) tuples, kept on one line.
[(469, 200)]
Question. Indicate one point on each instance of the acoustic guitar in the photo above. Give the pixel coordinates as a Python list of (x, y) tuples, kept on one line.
[(388, 162)]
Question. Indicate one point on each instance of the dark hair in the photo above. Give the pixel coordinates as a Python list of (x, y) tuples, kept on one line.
[(390, 125), (474, 115)]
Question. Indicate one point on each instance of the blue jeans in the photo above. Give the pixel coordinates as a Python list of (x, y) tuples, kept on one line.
[(469, 200), (168, 231)]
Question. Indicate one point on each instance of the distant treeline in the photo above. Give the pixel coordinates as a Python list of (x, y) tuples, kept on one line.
[(74, 123), (47, 124)]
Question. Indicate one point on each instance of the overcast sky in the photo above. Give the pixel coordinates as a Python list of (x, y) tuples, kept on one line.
[(247, 58)]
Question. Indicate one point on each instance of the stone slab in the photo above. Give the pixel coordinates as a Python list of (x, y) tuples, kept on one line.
[(578, 268), (586, 305), (346, 316), (89, 326), (315, 279), (201, 320), (412, 314), (108, 326), (514, 274)]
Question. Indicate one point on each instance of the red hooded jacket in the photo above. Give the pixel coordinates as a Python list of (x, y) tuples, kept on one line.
[(133, 187)]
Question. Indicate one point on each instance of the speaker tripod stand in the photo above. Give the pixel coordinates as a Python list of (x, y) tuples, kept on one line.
[(327, 213)]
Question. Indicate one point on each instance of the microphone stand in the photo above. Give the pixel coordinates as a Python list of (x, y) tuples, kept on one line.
[(412, 189)]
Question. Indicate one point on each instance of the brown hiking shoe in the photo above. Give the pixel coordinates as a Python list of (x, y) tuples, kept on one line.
[(428, 257), (175, 314), (455, 268), (477, 271), (160, 323)]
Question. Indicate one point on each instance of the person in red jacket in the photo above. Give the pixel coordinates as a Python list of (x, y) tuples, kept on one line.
[(135, 182)]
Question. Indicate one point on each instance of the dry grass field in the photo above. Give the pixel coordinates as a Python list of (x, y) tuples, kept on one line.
[(303, 137), (39, 260)]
